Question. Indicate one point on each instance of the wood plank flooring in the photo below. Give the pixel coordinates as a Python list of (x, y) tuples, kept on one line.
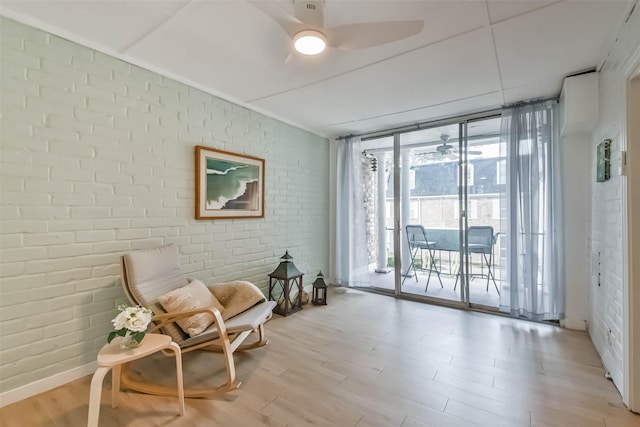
[(368, 360)]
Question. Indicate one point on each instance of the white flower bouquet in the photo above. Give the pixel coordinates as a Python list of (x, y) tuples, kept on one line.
[(131, 322)]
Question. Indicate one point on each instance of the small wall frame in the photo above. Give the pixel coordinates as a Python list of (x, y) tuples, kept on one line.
[(228, 185), (603, 161)]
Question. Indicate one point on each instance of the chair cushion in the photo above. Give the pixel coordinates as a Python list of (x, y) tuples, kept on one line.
[(151, 273), (248, 320), (192, 296)]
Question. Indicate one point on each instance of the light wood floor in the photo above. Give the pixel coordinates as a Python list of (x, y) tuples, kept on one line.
[(371, 360), (478, 292)]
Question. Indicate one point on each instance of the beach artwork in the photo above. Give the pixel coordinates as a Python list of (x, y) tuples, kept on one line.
[(228, 185)]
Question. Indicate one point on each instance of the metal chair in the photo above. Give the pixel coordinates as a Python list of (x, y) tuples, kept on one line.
[(480, 240), (417, 241)]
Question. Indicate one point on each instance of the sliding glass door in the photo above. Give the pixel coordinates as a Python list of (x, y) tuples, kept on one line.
[(485, 211), (429, 198), (432, 207), (463, 212)]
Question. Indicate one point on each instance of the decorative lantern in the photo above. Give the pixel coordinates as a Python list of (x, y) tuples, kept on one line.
[(285, 287), (319, 291)]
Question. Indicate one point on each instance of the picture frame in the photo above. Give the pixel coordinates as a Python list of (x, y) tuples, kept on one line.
[(228, 185), (603, 161)]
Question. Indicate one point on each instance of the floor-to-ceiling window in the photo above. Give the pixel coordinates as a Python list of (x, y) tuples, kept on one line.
[(442, 213)]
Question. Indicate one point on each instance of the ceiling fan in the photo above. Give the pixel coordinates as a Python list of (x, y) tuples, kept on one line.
[(309, 36), (448, 151)]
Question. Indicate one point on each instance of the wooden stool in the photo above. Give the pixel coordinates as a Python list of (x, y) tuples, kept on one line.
[(111, 356)]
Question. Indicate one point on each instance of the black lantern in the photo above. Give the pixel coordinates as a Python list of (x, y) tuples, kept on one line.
[(285, 287), (319, 291)]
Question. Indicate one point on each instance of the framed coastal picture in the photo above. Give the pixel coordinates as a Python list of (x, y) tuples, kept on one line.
[(228, 185)]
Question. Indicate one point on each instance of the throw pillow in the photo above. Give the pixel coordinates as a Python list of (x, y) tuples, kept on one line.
[(200, 292), (191, 297)]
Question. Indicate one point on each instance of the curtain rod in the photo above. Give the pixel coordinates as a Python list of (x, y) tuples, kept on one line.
[(421, 125), (428, 143), (533, 101)]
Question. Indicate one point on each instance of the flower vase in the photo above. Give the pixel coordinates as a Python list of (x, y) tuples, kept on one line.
[(128, 342)]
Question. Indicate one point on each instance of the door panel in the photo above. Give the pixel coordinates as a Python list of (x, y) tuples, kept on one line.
[(485, 194), (429, 200)]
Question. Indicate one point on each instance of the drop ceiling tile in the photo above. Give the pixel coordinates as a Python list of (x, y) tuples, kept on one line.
[(441, 17), (541, 89), (225, 46), (108, 24), (449, 109), (316, 110), (499, 10), (454, 69), (555, 41)]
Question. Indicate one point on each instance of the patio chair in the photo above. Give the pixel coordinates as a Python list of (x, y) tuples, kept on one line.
[(480, 240), (153, 277), (417, 241)]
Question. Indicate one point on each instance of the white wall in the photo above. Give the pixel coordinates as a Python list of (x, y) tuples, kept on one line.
[(606, 311), (98, 159), (576, 181), (578, 114)]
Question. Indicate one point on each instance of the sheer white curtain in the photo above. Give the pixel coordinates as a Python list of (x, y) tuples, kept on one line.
[(351, 241), (533, 202)]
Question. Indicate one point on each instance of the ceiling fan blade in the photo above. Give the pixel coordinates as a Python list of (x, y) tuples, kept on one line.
[(274, 9), (469, 152), (364, 35)]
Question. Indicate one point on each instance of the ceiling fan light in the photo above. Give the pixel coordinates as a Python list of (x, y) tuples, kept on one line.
[(310, 42)]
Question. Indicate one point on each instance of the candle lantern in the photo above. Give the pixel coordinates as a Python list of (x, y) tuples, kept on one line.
[(319, 291), (285, 287)]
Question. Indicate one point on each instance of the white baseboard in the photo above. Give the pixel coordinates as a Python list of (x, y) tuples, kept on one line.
[(46, 384), (575, 324)]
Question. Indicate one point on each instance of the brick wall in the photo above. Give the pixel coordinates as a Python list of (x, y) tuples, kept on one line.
[(97, 159), (606, 298)]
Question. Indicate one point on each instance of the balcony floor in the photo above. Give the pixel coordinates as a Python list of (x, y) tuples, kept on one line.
[(478, 292)]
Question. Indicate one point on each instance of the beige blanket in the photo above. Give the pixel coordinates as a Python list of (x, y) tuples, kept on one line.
[(236, 296)]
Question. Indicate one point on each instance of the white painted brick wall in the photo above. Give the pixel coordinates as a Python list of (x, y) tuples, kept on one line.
[(606, 323), (97, 159)]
